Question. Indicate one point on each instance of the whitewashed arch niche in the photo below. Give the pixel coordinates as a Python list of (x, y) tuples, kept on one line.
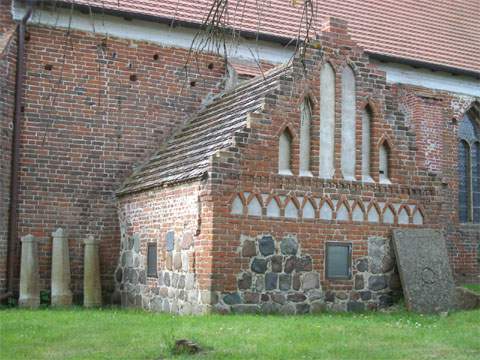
[(367, 118), (417, 218), (348, 123), (285, 152), (237, 205), (343, 213), (403, 215), (388, 215), (291, 209), (273, 208), (326, 210), (327, 121), (305, 136), (358, 213), (373, 215), (384, 155), (254, 207), (308, 210)]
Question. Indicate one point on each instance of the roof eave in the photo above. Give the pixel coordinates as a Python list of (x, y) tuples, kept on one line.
[(130, 15), (423, 64), (126, 190), (283, 40)]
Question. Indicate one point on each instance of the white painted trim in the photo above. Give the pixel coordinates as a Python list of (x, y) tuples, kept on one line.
[(141, 30), (405, 74)]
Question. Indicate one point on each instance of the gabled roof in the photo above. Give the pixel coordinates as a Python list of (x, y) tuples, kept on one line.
[(187, 154), (443, 32)]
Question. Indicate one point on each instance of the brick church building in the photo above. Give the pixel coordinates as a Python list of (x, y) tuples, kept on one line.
[(270, 183)]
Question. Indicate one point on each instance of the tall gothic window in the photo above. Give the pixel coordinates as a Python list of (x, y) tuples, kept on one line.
[(469, 170), (285, 153), (348, 123), (306, 116), (384, 163), (366, 129), (327, 121)]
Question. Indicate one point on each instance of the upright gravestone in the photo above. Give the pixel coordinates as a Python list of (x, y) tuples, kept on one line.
[(61, 293), (92, 291), (29, 286), (424, 269)]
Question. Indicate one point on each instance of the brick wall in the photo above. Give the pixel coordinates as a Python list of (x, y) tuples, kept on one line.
[(8, 51), (434, 117), (423, 173), (94, 107), (169, 218)]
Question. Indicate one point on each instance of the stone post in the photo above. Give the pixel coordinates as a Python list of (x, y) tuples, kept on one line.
[(92, 291), (61, 293), (29, 279)]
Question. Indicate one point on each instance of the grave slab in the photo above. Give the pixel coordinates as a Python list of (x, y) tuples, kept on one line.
[(424, 269)]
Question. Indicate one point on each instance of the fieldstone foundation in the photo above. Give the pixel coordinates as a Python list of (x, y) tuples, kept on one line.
[(280, 278), (376, 280), (173, 290)]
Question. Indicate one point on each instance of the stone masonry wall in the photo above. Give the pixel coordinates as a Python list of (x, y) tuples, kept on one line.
[(94, 107), (8, 49), (277, 277), (169, 218)]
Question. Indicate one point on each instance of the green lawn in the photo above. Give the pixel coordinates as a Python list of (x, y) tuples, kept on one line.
[(473, 287), (121, 334)]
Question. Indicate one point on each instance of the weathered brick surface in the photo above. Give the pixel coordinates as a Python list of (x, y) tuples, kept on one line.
[(7, 86), (171, 219), (94, 107), (423, 168)]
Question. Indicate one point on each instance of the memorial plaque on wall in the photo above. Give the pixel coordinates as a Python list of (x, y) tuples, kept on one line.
[(425, 272)]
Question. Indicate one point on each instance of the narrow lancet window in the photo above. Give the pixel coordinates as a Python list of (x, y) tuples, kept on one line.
[(305, 123), (366, 129), (327, 121), (285, 153), (348, 123), (384, 163), (464, 183)]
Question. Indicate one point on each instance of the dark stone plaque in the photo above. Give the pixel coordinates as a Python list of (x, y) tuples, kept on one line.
[(170, 240), (424, 269)]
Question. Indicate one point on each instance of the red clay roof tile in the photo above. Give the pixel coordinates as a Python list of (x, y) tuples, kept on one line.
[(443, 32)]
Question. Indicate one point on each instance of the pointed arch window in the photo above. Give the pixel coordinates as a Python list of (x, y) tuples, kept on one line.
[(366, 138), (469, 170), (327, 121), (285, 153), (305, 123), (384, 163), (348, 123)]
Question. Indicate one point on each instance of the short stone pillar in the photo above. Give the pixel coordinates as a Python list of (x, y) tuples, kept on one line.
[(29, 279), (92, 291), (61, 293)]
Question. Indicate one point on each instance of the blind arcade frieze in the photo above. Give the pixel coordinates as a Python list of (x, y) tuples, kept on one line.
[(308, 208)]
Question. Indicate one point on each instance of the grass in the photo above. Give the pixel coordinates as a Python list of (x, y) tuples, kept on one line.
[(122, 334), (473, 287)]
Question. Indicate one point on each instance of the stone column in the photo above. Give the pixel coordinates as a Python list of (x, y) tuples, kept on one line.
[(61, 293), (92, 291), (29, 279)]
